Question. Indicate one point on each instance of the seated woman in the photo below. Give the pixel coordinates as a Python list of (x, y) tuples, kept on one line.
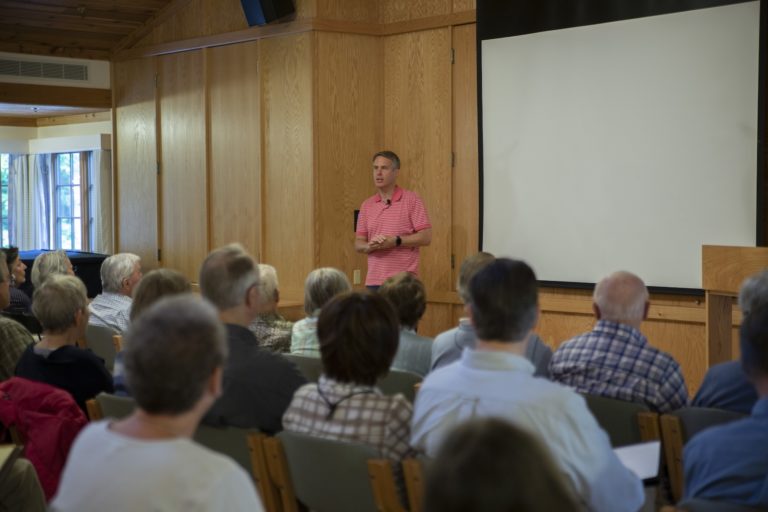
[(61, 306), (153, 286), (409, 298), (270, 328), (358, 335), (321, 286), (48, 264), (20, 301), (490, 465)]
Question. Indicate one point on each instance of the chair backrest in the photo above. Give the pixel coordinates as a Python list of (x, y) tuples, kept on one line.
[(624, 422), (29, 321), (117, 341), (100, 340), (310, 367), (677, 427), (113, 406), (399, 381), (413, 474), (326, 476)]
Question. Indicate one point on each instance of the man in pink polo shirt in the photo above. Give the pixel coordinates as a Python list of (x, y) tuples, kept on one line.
[(392, 224)]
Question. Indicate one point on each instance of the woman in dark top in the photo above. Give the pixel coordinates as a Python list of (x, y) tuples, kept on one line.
[(20, 301), (61, 306)]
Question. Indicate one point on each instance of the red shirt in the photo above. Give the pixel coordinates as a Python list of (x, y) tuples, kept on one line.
[(404, 216)]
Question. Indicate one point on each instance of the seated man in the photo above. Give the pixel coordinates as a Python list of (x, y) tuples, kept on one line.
[(15, 338), (148, 461), (725, 385), (258, 384), (448, 345), (409, 298), (615, 360), (495, 379), (120, 274), (61, 306), (271, 329), (730, 462)]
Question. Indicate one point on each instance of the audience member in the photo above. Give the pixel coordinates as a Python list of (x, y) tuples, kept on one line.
[(120, 273), (258, 384), (321, 286), (270, 328), (20, 301), (615, 360), (495, 379), (725, 385), (409, 298), (61, 306), (154, 286), (358, 338), (448, 345), (48, 264), (20, 488), (15, 338), (729, 463), (493, 466), (174, 356)]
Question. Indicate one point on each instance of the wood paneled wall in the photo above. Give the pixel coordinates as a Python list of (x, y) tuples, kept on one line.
[(234, 158), (135, 155), (184, 196), (287, 106), (269, 143)]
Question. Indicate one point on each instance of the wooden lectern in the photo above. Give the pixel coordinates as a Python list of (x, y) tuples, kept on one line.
[(723, 270)]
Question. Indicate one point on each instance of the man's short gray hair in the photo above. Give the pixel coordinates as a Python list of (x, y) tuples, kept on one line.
[(321, 286), (48, 264), (470, 267), (389, 155), (621, 297), (754, 292), (268, 284), (226, 276), (117, 268), (171, 351), (57, 300)]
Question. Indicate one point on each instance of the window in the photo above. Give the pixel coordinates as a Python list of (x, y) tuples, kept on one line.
[(71, 201), (5, 167)]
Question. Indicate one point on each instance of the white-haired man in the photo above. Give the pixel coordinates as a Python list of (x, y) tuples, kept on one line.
[(614, 359), (120, 273), (271, 329)]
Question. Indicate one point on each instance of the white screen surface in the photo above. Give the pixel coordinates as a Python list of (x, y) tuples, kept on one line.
[(624, 145)]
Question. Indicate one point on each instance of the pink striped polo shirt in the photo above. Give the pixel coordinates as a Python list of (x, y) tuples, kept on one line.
[(405, 216)]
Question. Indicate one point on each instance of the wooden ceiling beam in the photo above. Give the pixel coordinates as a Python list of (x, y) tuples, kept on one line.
[(49, 50), (51, 95), (138, 16), (27, 18), (57, 37)]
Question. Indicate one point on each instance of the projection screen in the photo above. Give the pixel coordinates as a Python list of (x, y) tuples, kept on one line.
[(621, 145)]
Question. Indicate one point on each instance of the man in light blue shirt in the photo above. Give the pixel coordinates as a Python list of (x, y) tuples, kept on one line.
[(495, 379), (729, 463)]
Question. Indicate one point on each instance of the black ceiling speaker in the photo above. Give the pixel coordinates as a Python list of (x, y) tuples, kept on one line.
[(261, 12)]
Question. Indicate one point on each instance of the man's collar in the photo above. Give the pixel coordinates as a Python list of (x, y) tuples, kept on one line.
[(495, 360), (397, 194)]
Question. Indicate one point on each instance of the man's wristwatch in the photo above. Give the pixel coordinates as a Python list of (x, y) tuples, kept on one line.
[(398, 241)]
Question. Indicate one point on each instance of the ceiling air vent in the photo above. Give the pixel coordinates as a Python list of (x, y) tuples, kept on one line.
[(35, 69)]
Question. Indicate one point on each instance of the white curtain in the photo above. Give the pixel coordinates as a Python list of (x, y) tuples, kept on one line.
[(100, 167), (29, 204)]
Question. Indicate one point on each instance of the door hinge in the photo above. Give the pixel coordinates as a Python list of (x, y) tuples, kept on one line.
[(453, 55), (159, 255), (453, 262)]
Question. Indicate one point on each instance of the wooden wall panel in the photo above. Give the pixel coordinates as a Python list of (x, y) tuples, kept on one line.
[(404, 10), (417, 126), (223, 16), (349, 132), (235, 146), (287, 114), (187, 22), (435, 319), (463, 5), (136, 159), (348, 10), (465, 200), (184, 218)]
